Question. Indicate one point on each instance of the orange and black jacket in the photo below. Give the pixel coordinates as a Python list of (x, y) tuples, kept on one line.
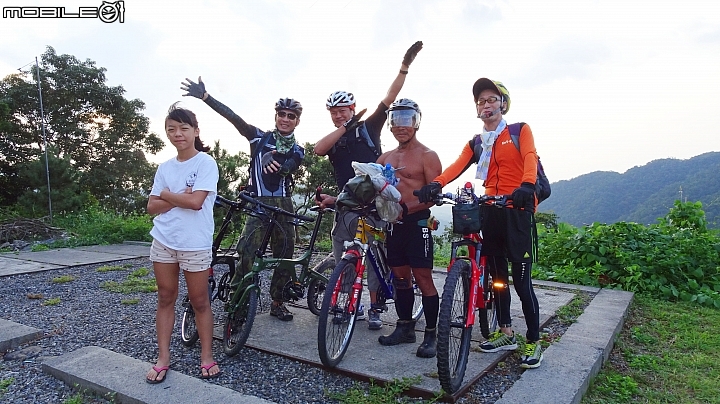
[(508, 166)]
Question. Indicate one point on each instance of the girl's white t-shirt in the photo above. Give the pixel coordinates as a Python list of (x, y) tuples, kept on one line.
[(186, 229)]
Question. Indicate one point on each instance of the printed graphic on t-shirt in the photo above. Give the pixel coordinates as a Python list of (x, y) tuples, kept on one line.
[(190, 179)]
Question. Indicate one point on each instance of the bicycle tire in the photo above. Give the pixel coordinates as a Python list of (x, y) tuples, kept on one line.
[(188, 328), (488, 316), (453, 340), (236, 329), (417, 303), (317, 287), (336, 325)]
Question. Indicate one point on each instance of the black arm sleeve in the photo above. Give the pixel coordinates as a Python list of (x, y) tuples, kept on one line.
[(245, 129)]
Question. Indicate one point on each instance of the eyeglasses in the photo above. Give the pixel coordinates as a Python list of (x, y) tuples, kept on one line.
[(491, 100), (283, 114)]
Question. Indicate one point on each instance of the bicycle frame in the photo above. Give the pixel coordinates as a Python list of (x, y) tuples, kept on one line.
[(261, 263), (363, 232), (477, 275)]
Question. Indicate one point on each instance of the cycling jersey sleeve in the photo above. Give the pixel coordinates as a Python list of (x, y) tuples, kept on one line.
[(375, 123), (528, 154), (463, 162), (245, 129)]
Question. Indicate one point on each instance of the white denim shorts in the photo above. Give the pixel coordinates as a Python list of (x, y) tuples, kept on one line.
[(191, 261)]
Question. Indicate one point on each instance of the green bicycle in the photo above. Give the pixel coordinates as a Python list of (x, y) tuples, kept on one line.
[(242, 306)]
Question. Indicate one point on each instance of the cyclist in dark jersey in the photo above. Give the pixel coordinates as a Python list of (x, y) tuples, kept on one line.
[(356, 140), (274, 156)]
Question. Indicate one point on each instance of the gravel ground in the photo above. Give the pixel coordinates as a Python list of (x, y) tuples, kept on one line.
[(89, 315)]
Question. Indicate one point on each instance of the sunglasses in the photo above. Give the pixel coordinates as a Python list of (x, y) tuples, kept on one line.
[(491, 100), (283, 114)]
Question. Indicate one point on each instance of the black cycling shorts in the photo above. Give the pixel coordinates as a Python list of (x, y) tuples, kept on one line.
[(410, 243)]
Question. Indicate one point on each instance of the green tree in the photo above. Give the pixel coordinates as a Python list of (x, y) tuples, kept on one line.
[(90, 124), (315, 171), (65, 189), (233, 170)]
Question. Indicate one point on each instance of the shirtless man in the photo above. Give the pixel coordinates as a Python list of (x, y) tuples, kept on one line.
[(409, 244)]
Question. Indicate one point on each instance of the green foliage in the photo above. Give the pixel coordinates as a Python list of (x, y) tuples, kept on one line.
[(135, 282), (569, 313), (129, 302), (389, 393), (109, 268), (548, 220), (95, 225), (62, 279), (687, 215), (233, 170), (4, 384), (315, 171), (666, 353), (678, 264), (39, 247), (51, 302)]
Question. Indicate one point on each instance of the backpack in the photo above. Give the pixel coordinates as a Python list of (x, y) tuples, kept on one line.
[(542, 184)]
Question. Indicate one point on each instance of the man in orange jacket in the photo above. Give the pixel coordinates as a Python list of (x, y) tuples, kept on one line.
[(508, 234)]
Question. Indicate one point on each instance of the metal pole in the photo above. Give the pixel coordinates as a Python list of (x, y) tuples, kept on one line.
[(42, 123)]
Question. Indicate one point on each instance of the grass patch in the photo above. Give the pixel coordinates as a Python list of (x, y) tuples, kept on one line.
[(63, 279), (110, 268), (569, 313), (139, 273), (390, 392), (77, 398), (39, 247), (666, 353), (51, 302), (129, 302), (4, 384), (135, 282)]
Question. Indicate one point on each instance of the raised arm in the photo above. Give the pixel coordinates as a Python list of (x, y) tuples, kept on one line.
[(324, 145), (197, 90), (397, 84)]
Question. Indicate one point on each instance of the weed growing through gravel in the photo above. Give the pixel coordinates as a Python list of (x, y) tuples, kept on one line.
[(391, 392), (129, 302), (63, 279), (4, 384), (136, 281), (39, 247), (569, 313), (51, 302), (109, 268)]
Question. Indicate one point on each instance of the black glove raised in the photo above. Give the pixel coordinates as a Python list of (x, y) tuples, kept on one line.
[(193, 89), (427, 193), (354, 122), (412, 52), (524, 196)]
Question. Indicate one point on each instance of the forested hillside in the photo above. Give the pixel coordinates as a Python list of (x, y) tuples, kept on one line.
[(641, 194)]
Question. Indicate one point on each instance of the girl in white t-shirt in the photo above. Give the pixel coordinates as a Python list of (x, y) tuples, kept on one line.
[(182, 197)]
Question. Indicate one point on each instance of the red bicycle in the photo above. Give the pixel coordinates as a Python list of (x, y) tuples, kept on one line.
[(468, 287)]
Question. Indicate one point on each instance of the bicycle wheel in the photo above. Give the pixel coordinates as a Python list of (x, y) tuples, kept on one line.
[(236, 329), (488, 315), (188, 328), (337, 319), (453, 340), (417, 303), (316, 289)]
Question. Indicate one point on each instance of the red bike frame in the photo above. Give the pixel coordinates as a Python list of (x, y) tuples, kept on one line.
[(477, 291)]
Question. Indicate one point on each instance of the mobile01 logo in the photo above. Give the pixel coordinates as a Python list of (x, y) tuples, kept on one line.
[(108, 12)]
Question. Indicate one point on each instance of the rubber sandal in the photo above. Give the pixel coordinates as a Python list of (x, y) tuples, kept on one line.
[(207, 369), (158, 370)]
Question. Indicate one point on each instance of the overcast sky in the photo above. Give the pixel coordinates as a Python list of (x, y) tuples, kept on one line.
[(604, 85)]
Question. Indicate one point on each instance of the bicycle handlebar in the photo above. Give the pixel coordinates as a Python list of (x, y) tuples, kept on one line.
[(448, 197), (247, 198)]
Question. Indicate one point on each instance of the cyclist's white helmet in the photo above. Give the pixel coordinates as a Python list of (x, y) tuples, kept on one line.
[(340, 99), (404, 112)]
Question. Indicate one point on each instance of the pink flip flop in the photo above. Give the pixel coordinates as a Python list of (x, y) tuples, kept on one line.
[(158, 370), (207, 369)]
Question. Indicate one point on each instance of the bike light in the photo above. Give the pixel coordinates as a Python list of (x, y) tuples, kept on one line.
[(498, 285)]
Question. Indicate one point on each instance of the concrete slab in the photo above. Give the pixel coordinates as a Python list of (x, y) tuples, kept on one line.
[(69, 257), (14, 266), (571, 363), (121, 377), (366, 358), (131, 250), (12, 335)]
